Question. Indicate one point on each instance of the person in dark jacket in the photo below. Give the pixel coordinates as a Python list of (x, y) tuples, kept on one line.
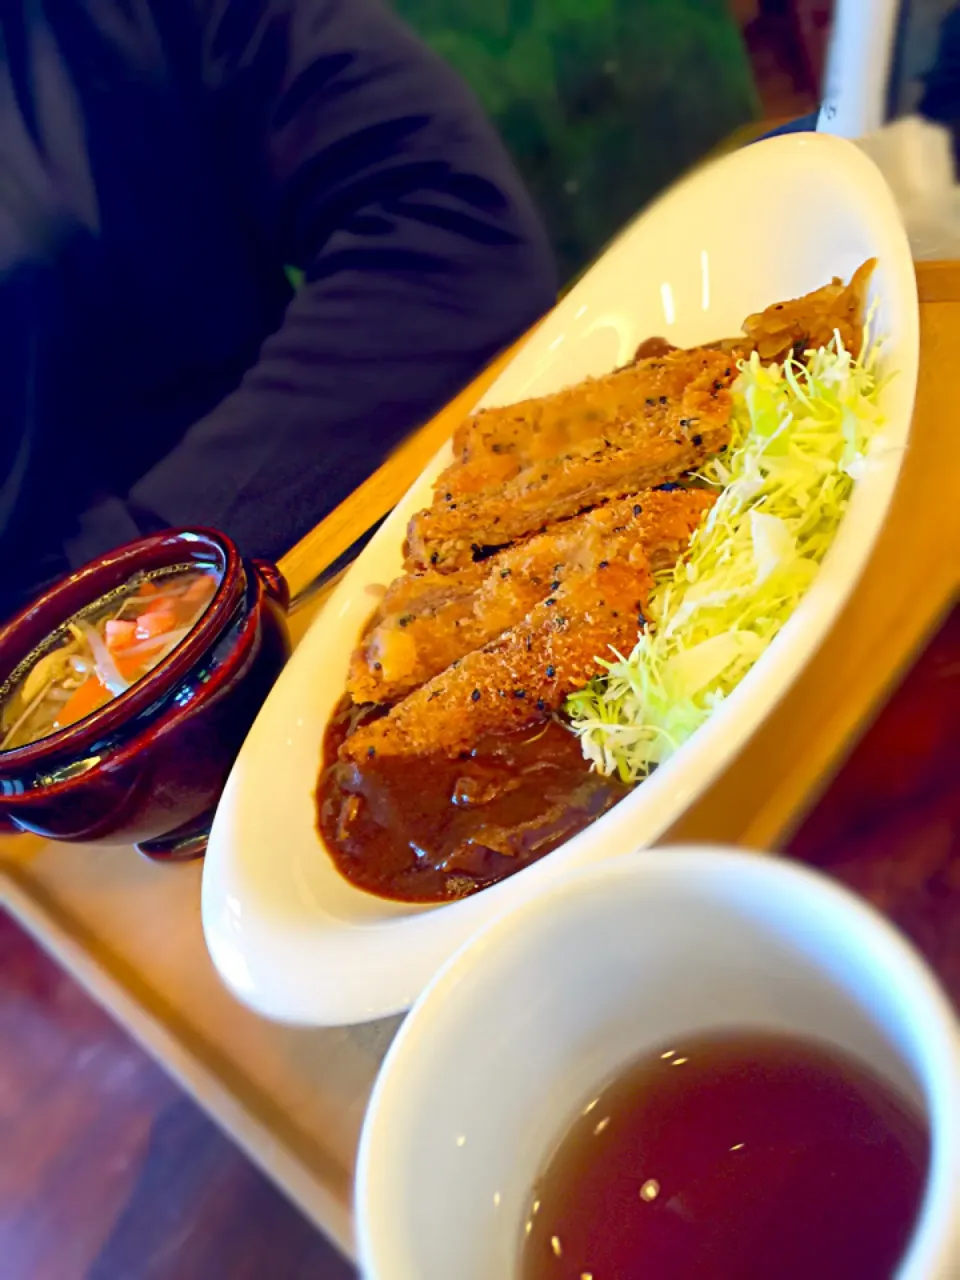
[(165, 167)]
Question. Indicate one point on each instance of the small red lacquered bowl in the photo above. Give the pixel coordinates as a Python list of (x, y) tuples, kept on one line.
[(150, 765)]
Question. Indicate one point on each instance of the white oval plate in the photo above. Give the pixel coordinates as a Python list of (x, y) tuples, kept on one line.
[(289, 935)]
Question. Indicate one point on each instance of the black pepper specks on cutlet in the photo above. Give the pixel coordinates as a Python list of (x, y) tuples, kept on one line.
[(638, 510), (697, 440), (551, 672), (475, 695)]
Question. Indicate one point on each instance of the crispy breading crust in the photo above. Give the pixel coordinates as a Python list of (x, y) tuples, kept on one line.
[(656, 443), (809, 322), (449, 545), (450, 535), (497, 444), (527, 671), (431, 625)]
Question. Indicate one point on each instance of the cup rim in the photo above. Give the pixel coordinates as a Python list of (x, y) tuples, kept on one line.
[(96, 578), (935, 1235)]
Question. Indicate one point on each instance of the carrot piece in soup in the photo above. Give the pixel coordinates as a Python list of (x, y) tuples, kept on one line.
[(88, 698), (155, 623), (120, 634), (133, 666), (156, 606), (200, 589)]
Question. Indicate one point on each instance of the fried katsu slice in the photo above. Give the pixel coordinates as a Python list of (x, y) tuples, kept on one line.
[(495, 445), (423, 593), (426, 633), (450, 535), (809, 322), (527, 671)]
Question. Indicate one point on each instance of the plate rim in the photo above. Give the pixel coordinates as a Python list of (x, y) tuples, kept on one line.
[(779, 667)]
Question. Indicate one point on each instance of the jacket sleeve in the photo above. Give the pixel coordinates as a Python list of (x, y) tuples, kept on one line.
[(367, 164)]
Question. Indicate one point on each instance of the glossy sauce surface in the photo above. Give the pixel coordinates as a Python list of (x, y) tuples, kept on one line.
[(428, 829), (650, 348), (744, 1156)]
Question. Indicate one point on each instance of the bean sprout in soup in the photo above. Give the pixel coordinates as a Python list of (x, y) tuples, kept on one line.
[(100, 652)]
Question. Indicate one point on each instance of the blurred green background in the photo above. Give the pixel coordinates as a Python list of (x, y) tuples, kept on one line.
[(602, 102)]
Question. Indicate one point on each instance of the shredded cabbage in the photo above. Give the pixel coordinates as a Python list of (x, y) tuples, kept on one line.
[(800, 438)]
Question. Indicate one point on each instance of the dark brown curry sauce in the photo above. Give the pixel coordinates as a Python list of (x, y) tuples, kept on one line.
[(650, 348), (430, 829)]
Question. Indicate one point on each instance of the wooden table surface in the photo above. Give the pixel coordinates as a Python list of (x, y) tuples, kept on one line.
[(164, 1196), (294, 1098)]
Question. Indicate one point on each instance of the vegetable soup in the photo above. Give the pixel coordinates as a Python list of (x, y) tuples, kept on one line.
[(102, 651)]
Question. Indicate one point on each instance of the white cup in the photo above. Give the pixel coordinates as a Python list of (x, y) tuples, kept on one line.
[(549, 1000)]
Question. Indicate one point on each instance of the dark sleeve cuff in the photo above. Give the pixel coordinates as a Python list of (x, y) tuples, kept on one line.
[(802, 124), (108, 524)]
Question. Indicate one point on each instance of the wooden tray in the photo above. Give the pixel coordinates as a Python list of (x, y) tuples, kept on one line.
[(294, 1099)]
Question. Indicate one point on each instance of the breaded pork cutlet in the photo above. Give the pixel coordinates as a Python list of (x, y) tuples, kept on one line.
[(495, 445), (809, 322), (639, 454), (423, 593), (527, 671), (431, 626)]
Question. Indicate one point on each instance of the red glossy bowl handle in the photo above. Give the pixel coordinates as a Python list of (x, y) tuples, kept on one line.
[(275, 584)]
